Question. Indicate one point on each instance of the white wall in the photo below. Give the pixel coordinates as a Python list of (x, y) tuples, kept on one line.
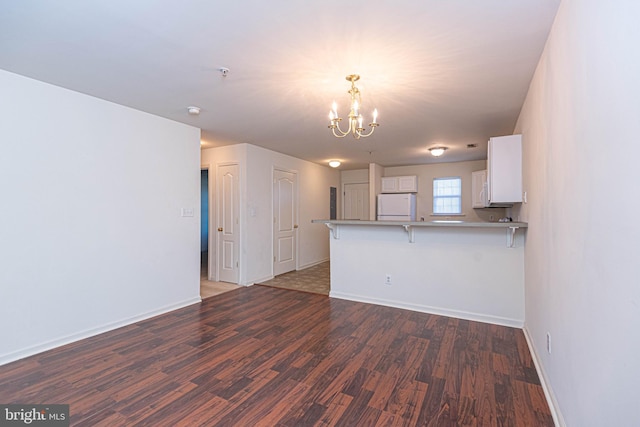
[(426, 174), (91, 235), (354, 176), (580, 126), (257, 165)]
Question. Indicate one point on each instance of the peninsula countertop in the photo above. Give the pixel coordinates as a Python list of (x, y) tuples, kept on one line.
[(434, 223), (470, 270)]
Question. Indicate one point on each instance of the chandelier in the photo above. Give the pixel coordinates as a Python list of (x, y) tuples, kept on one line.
[(355, 118)]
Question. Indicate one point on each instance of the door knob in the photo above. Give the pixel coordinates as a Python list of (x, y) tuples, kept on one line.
[(219, 228), (295, 226)]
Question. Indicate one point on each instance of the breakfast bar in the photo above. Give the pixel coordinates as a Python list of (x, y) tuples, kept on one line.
[(468, 270)]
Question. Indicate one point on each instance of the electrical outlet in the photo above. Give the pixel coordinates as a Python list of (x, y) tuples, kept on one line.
[(387, 280), (548, 342)]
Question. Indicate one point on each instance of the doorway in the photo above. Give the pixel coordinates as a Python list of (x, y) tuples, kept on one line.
[(208, 287), (204, 224)]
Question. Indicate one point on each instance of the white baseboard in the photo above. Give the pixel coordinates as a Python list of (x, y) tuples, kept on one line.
[(253, 282), (544, 381), (478, 317), (312, 264), (58, 342)]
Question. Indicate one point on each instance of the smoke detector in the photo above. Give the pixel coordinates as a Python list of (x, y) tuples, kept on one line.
[(224, 71), (194, 111)]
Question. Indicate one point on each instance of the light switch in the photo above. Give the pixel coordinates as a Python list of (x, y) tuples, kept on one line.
[(187, 212)]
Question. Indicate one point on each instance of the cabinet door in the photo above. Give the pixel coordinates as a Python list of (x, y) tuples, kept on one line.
[(479, 189), (504, 165), (390, 185), (408, 184)]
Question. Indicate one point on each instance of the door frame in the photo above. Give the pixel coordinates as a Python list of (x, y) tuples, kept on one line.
[(296, 219)]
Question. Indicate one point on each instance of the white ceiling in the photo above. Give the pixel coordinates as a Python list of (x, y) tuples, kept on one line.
[(439, 72)]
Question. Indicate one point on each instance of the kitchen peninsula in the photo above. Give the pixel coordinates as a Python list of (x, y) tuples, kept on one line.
[(469, 270)]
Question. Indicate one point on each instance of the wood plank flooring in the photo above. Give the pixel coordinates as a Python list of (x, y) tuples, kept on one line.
[(262, 356)]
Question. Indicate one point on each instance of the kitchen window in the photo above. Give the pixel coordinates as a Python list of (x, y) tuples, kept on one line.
[(447, 196)]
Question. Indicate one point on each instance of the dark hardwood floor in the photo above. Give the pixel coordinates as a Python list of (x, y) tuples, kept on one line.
[(274, 357)]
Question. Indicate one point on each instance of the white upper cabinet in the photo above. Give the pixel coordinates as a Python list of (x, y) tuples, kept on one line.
[(408, 184), (504, 170), (400, 184), (389, 185)]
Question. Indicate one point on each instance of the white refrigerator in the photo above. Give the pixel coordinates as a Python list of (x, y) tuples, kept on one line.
[(396, 207)]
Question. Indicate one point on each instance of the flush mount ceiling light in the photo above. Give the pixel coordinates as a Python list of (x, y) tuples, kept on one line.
[(437, 151), (334, 163), (355, 118), (193, 111)]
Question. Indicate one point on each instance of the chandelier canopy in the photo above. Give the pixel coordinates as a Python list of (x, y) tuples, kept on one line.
[(354, 118)]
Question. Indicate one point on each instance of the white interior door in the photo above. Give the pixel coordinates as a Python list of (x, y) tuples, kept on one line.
[(285, 221), (228, 219), (356, 201)]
